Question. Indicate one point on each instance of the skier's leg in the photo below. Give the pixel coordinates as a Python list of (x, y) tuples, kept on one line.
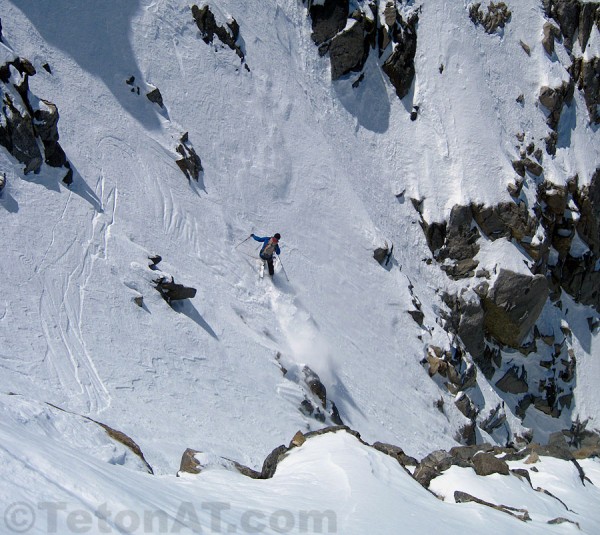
[(271, 267)]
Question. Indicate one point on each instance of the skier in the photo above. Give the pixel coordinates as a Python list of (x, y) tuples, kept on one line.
[(269, 248), (2, 181)]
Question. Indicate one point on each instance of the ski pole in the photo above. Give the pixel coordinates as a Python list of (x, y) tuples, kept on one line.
[(282, 268), (244, 241)]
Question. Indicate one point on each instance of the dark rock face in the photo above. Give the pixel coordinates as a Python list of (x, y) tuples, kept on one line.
[(486, 464), (155, 96), (458, 374), (551, 33), (513, 382), (28, 121), (432, 466), (396, 452), (463, 497), (207, 24), (566, 13), (576, 18), (190, 163), (553, 99), (315, 385), (513, 305), (348, 51), (400, 66), (455, 240), (587, 76), (383, 255), (171, 291), (189, 464), (328, 19), (496, 16), (395, 40)]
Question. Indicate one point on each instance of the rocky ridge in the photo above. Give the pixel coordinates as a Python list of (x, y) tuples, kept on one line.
[(28, 124)]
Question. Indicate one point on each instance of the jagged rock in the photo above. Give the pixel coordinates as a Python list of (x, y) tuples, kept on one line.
[(315, 385), (328, 19), (461, 269), (505, 220), (589, 82), (26, 121), (555, 197), (18, 136), (553, 98), (513, 305), (335, 415), (348, 51), (139, 300), (155, 97), (383, 254), (306, 407), (463, 497), (470, 328), (551, 33), (400, 66), (432, 466), (270, 464), (455, 240), (297, 440), (207, 24), (121, 437), (562, 520), (463, 454), (396, 452), (2, 181), (495, 419), (467, 434), (551, 140), (190, 464), (190, 163), (566, 13), (171, 291), (466, 406), (514, 383), (589, 13), (496, 17), (486, 464), (154, 261)]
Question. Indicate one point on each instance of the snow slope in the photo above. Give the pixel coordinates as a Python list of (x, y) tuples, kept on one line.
[(284, 150)]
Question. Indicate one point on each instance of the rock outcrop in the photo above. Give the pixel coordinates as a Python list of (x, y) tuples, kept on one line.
[(189, 163), (496, 16), (209, 29), (576, 18), (190, 464), (166, 285), (29, 125), (349, 38), (513, 305)]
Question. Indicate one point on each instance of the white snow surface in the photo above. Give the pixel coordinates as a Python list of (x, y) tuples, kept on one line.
[(284, 150)]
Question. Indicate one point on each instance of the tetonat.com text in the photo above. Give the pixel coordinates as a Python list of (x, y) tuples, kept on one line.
[(186, 518)]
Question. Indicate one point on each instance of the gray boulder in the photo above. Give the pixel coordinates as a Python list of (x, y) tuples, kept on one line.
[(348, 51), (400, 66), (513, 305), (328, 19), (513, 382), (486, 464)]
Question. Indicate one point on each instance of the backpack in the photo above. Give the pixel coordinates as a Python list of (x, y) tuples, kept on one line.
[(269, 249)]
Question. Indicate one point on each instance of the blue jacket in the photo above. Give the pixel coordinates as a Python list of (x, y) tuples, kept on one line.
[(266, 241)]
